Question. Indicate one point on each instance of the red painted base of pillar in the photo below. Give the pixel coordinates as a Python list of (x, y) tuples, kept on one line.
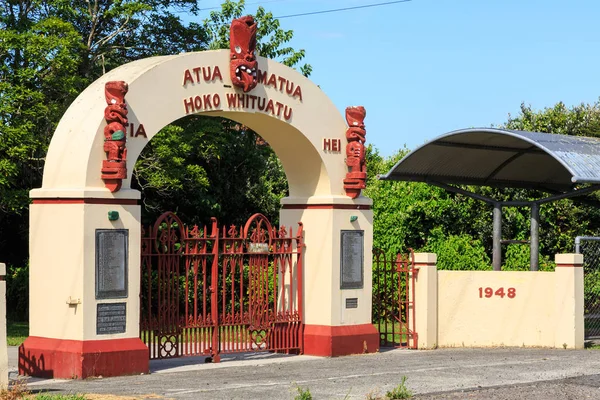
[(75, 359), (333, 341)]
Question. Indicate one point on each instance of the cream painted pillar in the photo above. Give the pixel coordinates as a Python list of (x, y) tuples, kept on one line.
[(337, 321), (569, 311), (426, 300), (72, 334), (3, 344)]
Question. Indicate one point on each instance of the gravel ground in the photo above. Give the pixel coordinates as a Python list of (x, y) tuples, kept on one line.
[(504, 373), (587, 387)]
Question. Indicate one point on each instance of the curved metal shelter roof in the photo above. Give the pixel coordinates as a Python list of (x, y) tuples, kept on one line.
[(503, 158)]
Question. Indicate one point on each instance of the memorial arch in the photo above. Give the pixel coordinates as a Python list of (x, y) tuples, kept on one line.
[(290, 112)]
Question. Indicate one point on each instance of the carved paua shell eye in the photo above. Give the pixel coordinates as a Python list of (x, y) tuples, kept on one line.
[(238, 49)]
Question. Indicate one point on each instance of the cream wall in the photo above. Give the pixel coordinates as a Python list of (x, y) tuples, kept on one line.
[(465, 319), (547, 308), (56, 252)]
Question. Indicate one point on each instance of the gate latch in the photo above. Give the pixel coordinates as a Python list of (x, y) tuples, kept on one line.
[(73, 302)]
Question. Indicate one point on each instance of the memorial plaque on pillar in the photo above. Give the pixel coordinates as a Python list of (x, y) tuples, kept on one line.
[(111, 263), (352, 259), (111, 318)]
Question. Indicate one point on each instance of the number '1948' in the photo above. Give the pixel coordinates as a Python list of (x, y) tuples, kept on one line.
[(489, 292)]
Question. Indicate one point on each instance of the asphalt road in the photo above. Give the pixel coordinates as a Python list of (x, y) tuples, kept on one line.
[(500, 373)]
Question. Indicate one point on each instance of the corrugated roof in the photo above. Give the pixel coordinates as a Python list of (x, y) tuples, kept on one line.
[(503, 158)]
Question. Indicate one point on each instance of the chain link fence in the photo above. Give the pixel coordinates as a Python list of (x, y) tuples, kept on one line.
[(590, 248)]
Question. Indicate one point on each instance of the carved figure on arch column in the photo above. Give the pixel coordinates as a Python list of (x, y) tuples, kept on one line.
[(114, 168), (242, 45), (355, 151)]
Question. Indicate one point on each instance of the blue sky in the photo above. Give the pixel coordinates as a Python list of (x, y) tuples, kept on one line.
[(426, 67)]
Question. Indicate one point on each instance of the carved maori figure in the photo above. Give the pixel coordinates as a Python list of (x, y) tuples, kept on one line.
[(114, 168), (242, 44), (355, 151)]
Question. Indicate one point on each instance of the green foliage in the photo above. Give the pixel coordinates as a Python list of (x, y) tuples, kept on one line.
[(579, 120), (405, 213), (399, 392), (17, 293), (592, 291), (49, 52), (16, 333), (200, 167), (517, 258), (457, 252), (303, 394), (48, 396)]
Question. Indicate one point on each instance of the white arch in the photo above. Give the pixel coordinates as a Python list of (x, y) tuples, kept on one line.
[(156, 98)]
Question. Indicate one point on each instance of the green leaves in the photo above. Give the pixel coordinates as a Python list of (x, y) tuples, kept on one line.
[(204, 167), (579, 120), (50, 52)]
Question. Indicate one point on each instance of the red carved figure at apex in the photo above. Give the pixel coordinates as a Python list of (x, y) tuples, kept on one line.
[(242, 44), (355, 151), (114, 168)]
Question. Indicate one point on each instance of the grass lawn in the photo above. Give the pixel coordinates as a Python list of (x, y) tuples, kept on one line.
[(392, 331), (16, 333)]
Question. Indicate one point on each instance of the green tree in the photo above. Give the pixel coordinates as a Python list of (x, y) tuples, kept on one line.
[(427, 218), (410, 214), (579, 120), (52, 50), (49, 52)]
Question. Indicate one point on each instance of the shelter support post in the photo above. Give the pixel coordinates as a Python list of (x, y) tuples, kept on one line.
[(497, 237), (534, 243)]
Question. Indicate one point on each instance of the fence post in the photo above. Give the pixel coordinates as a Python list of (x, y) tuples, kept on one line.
[(3, 344), (426, 292), (569, 301)]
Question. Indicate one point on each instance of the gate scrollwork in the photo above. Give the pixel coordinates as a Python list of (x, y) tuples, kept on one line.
[(215, 290)]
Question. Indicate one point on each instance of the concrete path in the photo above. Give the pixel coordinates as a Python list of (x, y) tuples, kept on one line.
[(444, 373)]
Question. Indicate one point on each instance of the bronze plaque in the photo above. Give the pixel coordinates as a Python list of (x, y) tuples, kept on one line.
[(111, 318), (352, 259), (111, 263)]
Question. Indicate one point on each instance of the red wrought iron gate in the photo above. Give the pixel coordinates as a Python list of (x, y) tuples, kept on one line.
[(216, 290), (394, 299)]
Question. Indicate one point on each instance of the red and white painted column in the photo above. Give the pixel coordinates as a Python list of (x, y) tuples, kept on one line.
[(77, 331), (337, 303)]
